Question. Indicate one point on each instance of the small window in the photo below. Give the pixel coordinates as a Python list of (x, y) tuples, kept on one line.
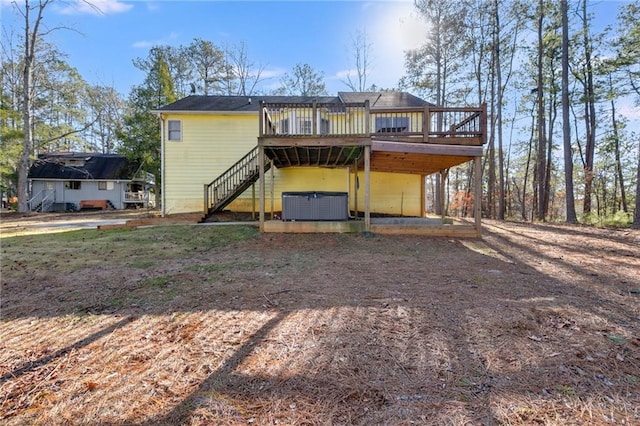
[(392, 124), (325, 126), (104, 186), (305, 127), (284, 126), (72, 184), (174, 130)]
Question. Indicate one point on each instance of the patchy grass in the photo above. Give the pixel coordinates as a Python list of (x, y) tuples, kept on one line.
[(199, 325)]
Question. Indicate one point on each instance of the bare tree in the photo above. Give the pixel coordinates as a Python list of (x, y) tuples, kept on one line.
[(32, 37), (361, 51), (245, 73)]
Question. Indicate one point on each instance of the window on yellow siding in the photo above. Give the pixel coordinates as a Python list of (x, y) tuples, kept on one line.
[(174, 130)]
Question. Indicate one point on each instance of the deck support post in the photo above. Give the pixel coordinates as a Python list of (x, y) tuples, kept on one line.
[(253, 201), (261, 189), (206, 199), (423, 208), (477, 198), (367, 187), (443, 204), (273, 189), (356, 184)]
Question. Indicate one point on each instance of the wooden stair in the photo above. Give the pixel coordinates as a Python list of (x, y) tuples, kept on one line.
[(234, 181)]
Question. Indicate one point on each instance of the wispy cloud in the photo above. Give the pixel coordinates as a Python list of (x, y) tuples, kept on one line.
[(268, 73), (146, 44), (95, 7), (344, 74)]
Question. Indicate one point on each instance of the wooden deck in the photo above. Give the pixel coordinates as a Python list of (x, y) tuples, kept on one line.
[(334, 135), (416, 140)]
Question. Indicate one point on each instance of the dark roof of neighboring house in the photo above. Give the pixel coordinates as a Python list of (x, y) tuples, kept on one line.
[(384, 99), (252, 103), (83, 166)]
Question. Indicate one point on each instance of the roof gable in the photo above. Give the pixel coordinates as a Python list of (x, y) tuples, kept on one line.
[(83, 166)]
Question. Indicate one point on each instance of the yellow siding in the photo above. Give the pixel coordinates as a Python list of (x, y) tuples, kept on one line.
[(212, 143), (390, 193)]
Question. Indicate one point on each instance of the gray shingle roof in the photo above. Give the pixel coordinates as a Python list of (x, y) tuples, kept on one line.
[(384, 99), (89, 166), (237, 103), (198, 103)]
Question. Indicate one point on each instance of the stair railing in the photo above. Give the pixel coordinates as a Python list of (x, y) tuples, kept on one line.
[(47, 201), (35, 201), (42, 200), (233, 178)]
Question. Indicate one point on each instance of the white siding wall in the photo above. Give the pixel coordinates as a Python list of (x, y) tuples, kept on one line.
[(88, 191)]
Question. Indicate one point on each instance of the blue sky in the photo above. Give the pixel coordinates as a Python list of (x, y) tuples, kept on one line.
[(278, 34)]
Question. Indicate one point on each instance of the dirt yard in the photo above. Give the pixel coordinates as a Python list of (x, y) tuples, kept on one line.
[(208, 325)]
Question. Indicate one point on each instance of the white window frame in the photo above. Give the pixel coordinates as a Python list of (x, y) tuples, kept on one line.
[(173, 134), (305, 126), (392, 124), (105, 185), (73, 185)]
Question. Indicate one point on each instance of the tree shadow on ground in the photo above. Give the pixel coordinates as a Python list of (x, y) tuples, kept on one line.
[(368, 331)]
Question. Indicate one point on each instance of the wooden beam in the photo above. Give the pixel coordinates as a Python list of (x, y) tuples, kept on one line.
[(367, 188), (339, 157), (413, 163), (261, 189), (477, 202), (292, 141), (253, 201), (355, 186), (272, 172), (423, 209), (443, 178), (431, 149)]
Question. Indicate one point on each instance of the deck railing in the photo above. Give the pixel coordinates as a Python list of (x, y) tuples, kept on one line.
[(135, 196), (428, 124), (314, 119)]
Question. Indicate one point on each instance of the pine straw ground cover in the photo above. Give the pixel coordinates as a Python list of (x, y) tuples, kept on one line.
[(202, 325)]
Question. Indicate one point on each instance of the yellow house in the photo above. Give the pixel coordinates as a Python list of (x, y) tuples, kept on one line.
[(368, 152)]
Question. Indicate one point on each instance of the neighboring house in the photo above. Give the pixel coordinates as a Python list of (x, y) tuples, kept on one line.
[(74, 181), (376, 148)]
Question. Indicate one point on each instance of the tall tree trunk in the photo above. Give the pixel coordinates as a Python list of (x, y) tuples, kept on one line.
[(498, 62), (566, 125), (526, 170), (542, 145), (590, 112), (616, 142), (30, 40), (491, 184), (440, 101), (636, 214)]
